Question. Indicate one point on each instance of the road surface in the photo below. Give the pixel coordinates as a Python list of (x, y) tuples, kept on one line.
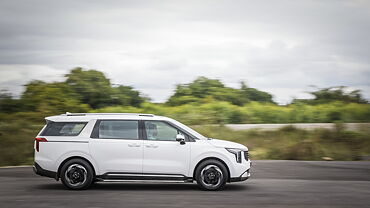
[(273, 184)]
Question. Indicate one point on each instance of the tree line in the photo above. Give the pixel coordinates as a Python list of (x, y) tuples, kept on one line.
[(91, 91)]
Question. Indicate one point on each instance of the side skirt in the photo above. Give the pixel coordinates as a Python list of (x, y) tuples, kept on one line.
[(124, 177)]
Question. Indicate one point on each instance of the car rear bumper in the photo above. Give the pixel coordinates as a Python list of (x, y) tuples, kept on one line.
[(42, 172)]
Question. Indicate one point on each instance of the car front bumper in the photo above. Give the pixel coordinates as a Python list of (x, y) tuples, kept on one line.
[(242, 177)]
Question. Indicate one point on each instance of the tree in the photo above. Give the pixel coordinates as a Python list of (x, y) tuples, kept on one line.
[(8, 104), (331, 94), (253, 94), (202, 89), (93, 88), (54, 97), (126, 95)]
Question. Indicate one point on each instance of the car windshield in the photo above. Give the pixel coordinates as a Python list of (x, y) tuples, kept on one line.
[(188, 129)]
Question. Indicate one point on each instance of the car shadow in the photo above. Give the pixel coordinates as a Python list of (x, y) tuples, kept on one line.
[(143, 187)]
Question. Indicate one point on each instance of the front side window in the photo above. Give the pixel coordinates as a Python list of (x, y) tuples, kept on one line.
[(119, 130), (63, 128), (158, 130)]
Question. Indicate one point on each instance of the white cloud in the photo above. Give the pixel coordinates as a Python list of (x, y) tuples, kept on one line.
[(14, 77), (281, 47)]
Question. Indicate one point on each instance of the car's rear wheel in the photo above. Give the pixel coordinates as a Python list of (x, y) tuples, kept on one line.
[(211, 175), (77, 174)]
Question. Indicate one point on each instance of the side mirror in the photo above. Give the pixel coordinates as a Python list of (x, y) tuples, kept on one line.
[(180, 138)]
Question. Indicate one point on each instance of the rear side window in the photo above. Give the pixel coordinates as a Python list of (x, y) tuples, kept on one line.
[(63, 128), (119, 130)]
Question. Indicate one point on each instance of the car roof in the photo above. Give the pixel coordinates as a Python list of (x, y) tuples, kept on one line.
[(81, 117)]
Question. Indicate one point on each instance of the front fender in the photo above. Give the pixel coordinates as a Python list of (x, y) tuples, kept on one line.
[(213, 154)]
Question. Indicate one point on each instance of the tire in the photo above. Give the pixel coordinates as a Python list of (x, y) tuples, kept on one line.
[(77, 174), (211, 175)]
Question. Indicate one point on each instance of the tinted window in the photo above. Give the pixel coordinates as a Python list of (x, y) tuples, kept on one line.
[(119, 130), (158, 130), (63, 129)]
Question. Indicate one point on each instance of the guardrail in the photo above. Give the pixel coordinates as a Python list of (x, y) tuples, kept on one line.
[(306, 126)]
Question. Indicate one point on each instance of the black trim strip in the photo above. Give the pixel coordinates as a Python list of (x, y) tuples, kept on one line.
[(238, 179), (144, 176), (142, 133)]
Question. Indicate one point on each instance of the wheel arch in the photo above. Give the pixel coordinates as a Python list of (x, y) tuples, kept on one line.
[(213, 158), (74, 157)]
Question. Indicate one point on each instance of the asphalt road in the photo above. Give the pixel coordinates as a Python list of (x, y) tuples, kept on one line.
[(273, 184)]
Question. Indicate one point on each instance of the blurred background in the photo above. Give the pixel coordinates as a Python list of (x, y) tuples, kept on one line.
[(208, 64)]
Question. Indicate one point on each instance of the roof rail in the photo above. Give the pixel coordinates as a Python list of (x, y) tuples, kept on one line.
[(108, 114)]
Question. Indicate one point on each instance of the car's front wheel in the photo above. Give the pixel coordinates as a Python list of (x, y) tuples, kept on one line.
[(77, 174), (211, 175)]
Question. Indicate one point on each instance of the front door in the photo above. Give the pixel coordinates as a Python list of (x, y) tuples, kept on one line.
[(162, 153)]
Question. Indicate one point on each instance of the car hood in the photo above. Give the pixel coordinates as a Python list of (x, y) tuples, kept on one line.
[(226, 144)]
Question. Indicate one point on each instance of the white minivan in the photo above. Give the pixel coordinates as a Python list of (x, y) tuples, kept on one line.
[(83, 148)]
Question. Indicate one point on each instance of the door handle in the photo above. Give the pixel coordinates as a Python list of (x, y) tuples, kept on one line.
[(151, 145), (134, 145)]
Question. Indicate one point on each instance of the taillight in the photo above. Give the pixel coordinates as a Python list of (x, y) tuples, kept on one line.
[(38, 140)]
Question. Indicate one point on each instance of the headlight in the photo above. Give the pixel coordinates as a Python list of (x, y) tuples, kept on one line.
[(237, 153)]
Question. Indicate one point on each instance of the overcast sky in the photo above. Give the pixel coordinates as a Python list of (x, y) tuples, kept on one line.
[(281, 47)]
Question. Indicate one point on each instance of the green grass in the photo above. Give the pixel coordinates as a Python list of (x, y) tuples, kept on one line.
[(16, 142), (289, 143)]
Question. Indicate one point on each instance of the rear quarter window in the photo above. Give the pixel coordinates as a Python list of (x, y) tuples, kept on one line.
[(63, 128)]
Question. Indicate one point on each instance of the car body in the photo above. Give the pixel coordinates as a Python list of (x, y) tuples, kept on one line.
[(82, 148)]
